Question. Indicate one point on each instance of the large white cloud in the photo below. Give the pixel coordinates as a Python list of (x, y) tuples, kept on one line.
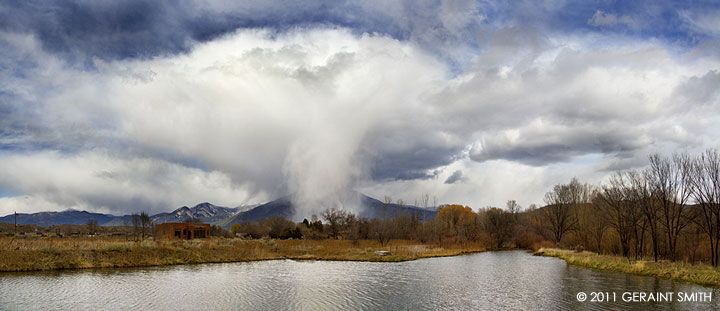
[(277, 112), (315, 111)]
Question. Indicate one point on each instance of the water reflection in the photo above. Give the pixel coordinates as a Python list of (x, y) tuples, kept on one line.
[(486, 281)]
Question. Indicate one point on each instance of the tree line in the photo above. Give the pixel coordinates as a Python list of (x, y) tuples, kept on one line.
[(669, 210), (453, 224)]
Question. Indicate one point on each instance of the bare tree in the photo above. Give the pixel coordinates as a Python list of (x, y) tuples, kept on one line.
[(136, 225), (559, 210), (380, 230), (592, 224), (668, 180), (145, 223), (358, 228), (425, 202), (704, 178), (641, 195), (613, 201), (387, 202), (513, 207), (336, 219)]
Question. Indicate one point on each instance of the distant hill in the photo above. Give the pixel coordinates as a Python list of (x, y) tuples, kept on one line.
[(374, 208), (125, 220), (68, 217), (213, 214), (283, 207), (206, 212)]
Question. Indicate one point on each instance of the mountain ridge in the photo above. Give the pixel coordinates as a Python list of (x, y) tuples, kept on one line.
[(369, 208), (219, 215)]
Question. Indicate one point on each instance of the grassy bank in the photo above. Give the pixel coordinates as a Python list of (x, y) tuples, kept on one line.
[(701, 274), (34, 254)]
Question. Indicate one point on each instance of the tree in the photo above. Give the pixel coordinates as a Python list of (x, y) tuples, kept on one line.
[(219, 232), (457, 220), (381, 230), (425, 202), (591, 225), (357, 228), (499, 224), (280, 228), (92, 226), (513, 207), (136, 225), (560, 202), (704, 180), (641, 195), (668, 182), (145, 223), (249, 229), (336, 220), (614, 203), (385, 210)]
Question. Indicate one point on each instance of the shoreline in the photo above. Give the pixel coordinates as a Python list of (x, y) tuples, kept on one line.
[(698, 273), (25, 255)]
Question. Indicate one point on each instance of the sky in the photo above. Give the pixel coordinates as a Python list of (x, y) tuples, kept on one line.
[(127, 106)]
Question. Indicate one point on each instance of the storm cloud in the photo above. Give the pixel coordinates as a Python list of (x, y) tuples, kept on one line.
[(120, 107)]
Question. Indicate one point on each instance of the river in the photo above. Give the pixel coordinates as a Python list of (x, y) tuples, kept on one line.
[(485, 281)]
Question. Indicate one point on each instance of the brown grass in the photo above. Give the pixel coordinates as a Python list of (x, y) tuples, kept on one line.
[(30, 254), (701, 274)]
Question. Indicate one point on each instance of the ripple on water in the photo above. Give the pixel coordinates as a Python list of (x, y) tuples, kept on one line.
[(485, 281)]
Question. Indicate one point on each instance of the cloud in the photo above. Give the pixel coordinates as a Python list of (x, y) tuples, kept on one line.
[(568, 103), (81, 31), (700, 90), (291, 113), (315, 100), (601, 18), (705, 21), (455, 177), (296, 112), (99, 181)]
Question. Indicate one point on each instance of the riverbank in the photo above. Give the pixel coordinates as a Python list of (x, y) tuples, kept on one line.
[(701, 274), (21, 254)]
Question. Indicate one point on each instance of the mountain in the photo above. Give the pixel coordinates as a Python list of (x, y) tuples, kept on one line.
[(125, 220), (283, 207), (374, 208), (219, 215), (68, 217), (206, 212)]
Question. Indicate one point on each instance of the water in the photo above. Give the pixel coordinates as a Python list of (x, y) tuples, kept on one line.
[(485, 281)]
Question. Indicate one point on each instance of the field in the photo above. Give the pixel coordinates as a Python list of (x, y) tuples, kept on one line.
[(701, 274), (51, 253)]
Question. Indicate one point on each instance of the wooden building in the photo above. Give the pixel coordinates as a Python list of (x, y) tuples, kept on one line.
[(183, 231)]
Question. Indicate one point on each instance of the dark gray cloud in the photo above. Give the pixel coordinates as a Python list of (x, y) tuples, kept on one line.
[(417, 162), (540, 146), (82, 30), (455, 177), (452, 30)]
